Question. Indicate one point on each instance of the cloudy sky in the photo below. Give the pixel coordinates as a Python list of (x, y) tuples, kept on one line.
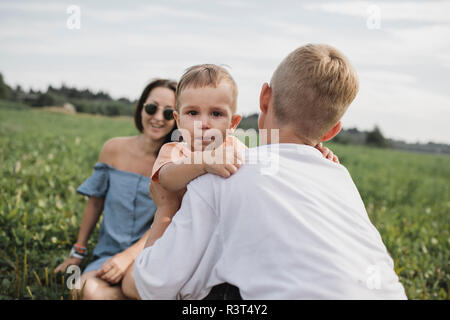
[(401, 50)]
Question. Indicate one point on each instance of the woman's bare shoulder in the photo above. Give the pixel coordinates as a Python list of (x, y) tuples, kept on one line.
[(112, 147)]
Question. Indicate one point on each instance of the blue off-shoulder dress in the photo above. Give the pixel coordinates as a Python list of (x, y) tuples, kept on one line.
[(127, 213)]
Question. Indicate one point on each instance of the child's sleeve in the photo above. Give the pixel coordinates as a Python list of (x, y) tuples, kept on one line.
[(169, 153)]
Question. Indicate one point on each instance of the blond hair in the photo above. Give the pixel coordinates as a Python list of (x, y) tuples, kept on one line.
[(312, 88), (206, 75)]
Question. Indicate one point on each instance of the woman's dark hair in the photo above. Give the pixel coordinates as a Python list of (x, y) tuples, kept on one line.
[(157, 83)]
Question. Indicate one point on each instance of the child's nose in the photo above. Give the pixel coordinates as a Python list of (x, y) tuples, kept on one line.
[(205, 122)]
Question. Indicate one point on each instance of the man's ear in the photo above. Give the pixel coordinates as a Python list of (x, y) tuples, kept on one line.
[(332, 132), (235, 119), (264, 97)]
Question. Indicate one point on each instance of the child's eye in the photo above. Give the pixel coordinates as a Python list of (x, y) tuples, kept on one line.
[(217, 113), (192, 112)]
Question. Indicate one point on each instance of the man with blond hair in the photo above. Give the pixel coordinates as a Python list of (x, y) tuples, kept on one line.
[(297, 231)]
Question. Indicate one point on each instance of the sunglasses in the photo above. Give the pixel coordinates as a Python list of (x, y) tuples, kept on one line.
[(151, 110)]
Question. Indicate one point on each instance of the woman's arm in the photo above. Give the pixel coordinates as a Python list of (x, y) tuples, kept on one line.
[(92, 211), (114, 268), (91, 214)]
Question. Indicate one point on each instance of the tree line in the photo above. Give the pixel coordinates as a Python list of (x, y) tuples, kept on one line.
[(84, 100), (101, 102)]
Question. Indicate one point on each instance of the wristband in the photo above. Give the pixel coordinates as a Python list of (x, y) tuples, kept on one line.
[(78, 251)]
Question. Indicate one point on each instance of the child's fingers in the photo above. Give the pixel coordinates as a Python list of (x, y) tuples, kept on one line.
[(231, 168), (222, 171), (335, 159), (319, 147), (327, 153)]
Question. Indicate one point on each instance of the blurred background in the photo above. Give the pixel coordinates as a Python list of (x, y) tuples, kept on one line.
[(70, 74)]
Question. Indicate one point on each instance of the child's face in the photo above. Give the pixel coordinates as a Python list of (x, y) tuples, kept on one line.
[(206, 113)]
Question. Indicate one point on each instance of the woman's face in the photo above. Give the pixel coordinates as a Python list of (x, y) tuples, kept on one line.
[(156, 126)]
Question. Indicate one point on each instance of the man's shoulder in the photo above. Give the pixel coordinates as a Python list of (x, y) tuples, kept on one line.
[(210, 183), (204, 182)]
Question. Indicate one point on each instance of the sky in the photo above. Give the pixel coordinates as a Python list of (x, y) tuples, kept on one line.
[(400, 49)]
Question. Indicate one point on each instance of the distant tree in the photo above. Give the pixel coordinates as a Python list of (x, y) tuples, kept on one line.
[(376, 138), (353, 130), (44, 99), (17, 93), (125, 100), (249, 122), (343, 137), (5, 90)]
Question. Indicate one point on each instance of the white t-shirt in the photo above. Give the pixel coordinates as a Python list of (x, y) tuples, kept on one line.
[(289, 224)]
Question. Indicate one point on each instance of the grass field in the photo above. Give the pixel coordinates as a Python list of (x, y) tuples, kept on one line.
[(45, 156)]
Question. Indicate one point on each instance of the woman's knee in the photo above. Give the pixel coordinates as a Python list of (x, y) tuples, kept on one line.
[(93, 288), (90, 287)]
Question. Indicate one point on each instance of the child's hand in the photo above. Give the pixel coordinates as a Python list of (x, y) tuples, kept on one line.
[(224, 170), (327, 153), (223, 161)]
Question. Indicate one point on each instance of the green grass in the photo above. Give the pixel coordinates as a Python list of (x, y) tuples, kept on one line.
[(45, 156)]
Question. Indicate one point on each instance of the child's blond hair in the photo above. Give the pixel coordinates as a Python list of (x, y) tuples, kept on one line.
[(312, 88), (205, 75)]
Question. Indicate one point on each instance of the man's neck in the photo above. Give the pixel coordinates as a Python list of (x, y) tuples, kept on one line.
[(287, 136)]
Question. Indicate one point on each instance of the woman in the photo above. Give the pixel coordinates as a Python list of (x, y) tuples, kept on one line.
[(119, 187)]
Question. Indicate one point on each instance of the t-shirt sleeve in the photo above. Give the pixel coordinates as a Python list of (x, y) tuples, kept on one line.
[(188, 247), (169, 153)]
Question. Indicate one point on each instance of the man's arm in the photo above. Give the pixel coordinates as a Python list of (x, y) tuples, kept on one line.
[(161, 270)]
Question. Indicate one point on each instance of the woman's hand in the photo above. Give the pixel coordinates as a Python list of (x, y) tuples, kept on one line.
[(327, 153), (69, 261), (114, 268)]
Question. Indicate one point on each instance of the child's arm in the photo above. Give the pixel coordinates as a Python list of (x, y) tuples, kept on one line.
[(167, 204), (174, 177)]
